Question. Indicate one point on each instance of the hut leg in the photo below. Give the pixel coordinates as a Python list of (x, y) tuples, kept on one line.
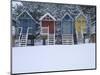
[(44, 41)]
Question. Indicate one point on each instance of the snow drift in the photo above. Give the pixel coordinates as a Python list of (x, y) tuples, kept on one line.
[(53, 58)]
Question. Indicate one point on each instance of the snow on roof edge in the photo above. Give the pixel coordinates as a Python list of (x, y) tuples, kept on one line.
[(46, 15), (68, 15)]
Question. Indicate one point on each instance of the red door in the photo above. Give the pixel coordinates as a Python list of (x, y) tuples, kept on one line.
[(49, 24)]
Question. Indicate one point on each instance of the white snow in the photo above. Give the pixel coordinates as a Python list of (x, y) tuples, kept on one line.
[(53, 58), (87, 40), (38, 42), (15, 4)]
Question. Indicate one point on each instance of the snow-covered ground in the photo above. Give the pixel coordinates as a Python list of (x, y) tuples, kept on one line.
[(53, 58)]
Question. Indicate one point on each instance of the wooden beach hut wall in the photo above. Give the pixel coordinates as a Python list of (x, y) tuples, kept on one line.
[(81, 27), (47, 24), (67, 29), (26, 29)]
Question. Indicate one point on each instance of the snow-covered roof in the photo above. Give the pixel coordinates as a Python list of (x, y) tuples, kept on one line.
[(27, 13), (68, 15), (16, 3), (80, 14), (48, 15)]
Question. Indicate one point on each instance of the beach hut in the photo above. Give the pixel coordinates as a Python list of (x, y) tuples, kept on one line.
[(67, 29), (81, 27), (26, 28), (47, 25)]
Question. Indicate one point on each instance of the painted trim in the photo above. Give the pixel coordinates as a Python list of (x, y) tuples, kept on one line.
[(80, 14), (48, 20), (48, 15), (68, 15)]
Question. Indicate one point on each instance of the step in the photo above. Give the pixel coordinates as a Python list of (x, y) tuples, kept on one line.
[(67, 39), (51, 40), (23, 37), (23, 40)]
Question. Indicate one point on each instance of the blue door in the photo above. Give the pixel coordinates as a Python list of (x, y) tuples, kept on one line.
[(66, 27)]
